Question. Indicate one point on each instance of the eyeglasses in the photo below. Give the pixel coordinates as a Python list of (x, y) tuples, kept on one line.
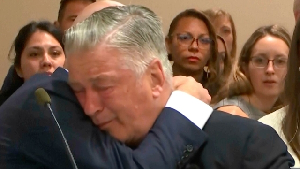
[(187, 39), (262, 62)]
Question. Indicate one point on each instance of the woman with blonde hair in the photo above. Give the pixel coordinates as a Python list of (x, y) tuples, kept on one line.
[(258, 81), (224, 26)]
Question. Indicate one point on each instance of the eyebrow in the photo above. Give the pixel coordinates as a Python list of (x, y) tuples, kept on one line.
[(189, 33), (39, 47), (101, 78), (276, 56), (72, 16)]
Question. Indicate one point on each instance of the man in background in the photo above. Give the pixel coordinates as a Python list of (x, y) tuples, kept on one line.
[(68, 11)]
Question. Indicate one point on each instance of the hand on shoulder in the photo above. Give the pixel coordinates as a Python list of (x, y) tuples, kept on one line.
[(189, 85)]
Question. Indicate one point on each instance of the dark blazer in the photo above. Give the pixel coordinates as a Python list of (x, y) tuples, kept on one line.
[(11, 83), (29, 137), (233, 142)]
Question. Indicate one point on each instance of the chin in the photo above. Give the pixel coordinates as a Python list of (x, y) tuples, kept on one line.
[(193, 68), (272, 94)]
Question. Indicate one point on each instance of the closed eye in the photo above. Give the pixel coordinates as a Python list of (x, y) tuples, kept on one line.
[(184, 37)]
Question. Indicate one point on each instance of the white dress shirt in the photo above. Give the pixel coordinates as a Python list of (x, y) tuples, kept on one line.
[(192, 108)]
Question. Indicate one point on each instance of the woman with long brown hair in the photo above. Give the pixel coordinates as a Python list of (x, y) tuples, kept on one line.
[(258, 79), (224, 26), (286, 120)]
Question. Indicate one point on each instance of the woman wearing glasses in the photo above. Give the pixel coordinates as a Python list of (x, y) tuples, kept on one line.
[(286, 120), (192, 46), (258, 80)]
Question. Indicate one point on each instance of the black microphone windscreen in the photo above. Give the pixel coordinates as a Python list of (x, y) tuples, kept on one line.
[(42, 97)]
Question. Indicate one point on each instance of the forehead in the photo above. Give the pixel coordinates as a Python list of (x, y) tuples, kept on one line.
[(191, 24), (272, 44), (75, 7), (98, 58), (41, 37), (222, 20), (98, 64)]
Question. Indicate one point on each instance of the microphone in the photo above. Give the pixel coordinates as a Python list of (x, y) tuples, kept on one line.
[(44, 99)]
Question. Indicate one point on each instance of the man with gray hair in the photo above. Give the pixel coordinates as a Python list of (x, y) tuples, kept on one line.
[(119, 71)]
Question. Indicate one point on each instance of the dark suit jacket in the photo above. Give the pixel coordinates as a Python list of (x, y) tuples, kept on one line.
[(233, 142), (11, 83), (29, 137)]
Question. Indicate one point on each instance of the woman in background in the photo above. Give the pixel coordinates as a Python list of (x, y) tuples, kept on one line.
[(191, 44), (286, 120), (38, 48), (224, 26), (224, 59), (258, 80)]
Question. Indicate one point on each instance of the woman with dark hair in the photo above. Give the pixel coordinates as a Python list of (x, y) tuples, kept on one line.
[(258, 81), (286, 120), (38, 48), (192, 46)]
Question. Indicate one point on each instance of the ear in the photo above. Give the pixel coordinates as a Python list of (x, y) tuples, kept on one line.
[(19, 72), (157, 77), (56, 23)]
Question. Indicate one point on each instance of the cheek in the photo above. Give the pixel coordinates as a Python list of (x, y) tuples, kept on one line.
[(255, 77), (59, 62), (281, 75), (177, 51), (206, 53), (229, 40), (80, 97), (29, 68), (66, 24)]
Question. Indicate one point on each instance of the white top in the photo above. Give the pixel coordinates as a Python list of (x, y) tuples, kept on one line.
[(192, 108), (275, 121)]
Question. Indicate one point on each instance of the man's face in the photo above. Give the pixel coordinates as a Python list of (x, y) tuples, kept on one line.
[(72, 10), (112, 95)]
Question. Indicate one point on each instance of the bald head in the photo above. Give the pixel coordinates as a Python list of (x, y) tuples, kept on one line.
[(96, 6)]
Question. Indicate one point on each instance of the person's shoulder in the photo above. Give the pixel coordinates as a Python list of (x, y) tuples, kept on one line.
[(274, 118), (232, 123), (55, 84)]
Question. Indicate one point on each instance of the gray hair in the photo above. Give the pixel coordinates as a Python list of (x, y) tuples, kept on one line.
[(135, 31)]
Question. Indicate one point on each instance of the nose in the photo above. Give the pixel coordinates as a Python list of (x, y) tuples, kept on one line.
[(270, 68), (194, 45), (93, 103), (47, 61)]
